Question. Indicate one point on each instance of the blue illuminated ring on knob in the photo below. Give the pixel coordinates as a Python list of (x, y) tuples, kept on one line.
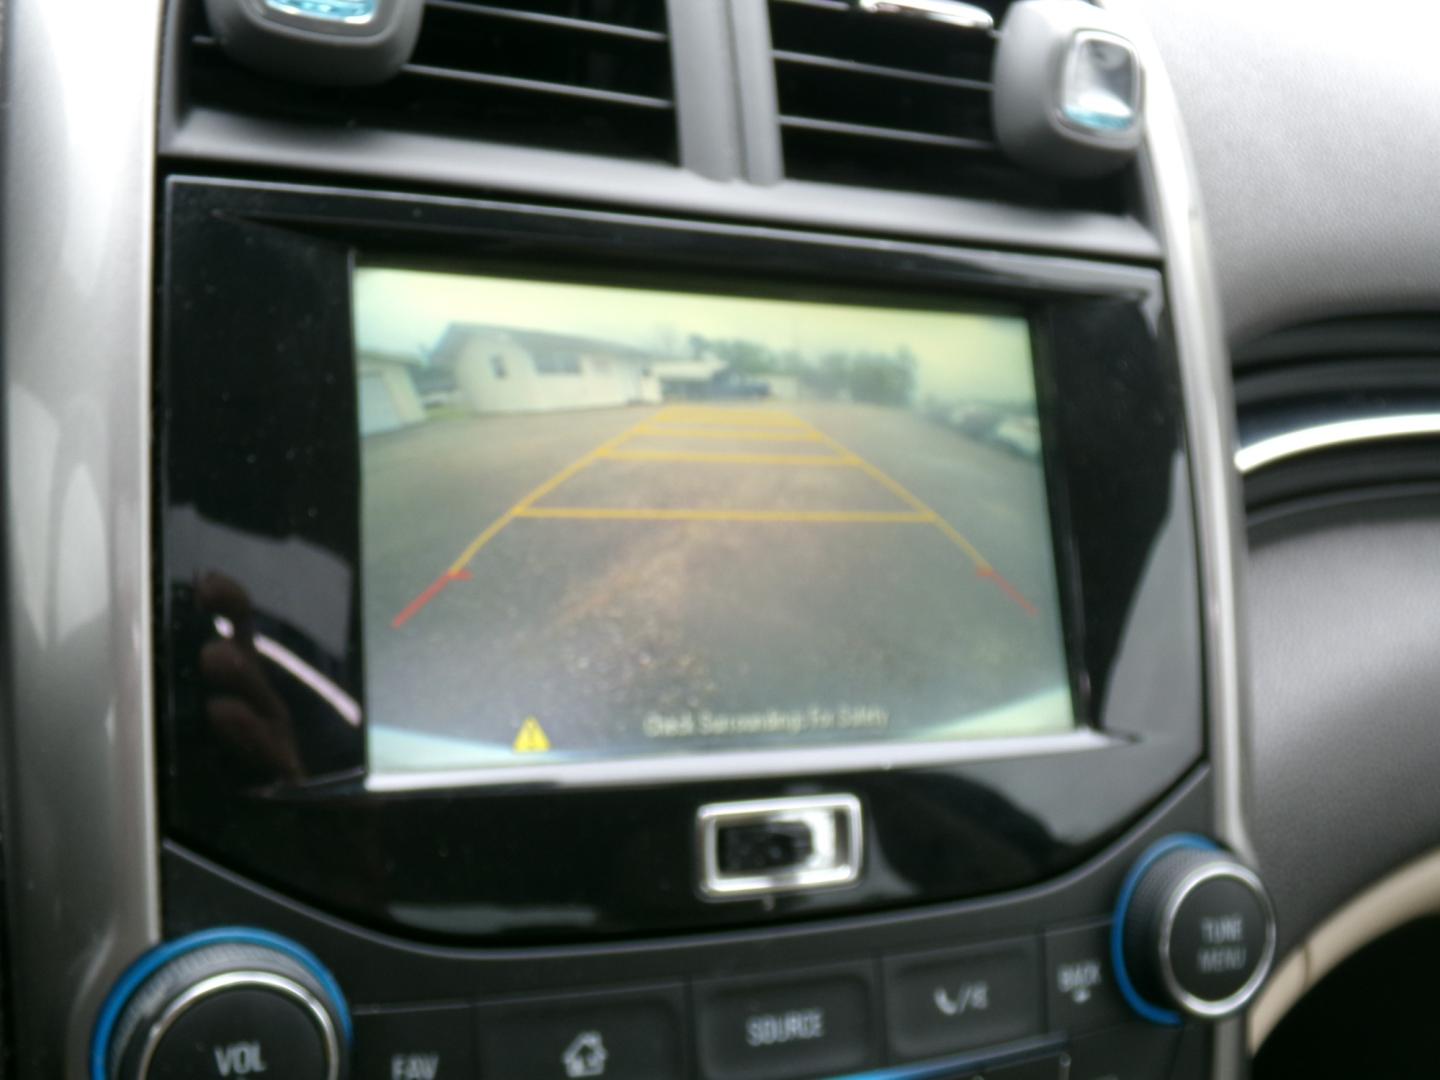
[(1179, 842), (141, 970)]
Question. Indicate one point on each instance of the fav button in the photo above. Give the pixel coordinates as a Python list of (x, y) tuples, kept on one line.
[(1080, 981), (621, 1036), (415, 1044), (943, 1002), (776, 1028)]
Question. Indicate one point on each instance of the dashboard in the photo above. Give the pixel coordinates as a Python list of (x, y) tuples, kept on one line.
[(755, 540)]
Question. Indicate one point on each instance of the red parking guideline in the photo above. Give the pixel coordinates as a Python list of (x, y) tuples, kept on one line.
[(435, 589)]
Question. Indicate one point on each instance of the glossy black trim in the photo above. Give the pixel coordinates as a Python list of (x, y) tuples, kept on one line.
[(258, 480), (385, 969)]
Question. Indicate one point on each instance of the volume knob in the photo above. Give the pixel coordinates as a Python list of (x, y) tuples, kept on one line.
[(1194, 932), (229, 1006)]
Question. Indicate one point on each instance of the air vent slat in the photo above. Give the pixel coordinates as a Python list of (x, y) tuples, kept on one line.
[(865, 131), (855, 67), (584, 93), (646, 14), (885, 101), (566, 22), (591, 76)]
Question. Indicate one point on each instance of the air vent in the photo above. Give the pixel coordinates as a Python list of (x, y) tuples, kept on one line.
[(895, 102), (592, 76)]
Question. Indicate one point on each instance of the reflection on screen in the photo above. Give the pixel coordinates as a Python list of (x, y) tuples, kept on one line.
[(605, 522)]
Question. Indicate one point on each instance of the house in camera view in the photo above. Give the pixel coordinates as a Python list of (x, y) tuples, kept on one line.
[(389, 396), (499, 369), (484, 369)]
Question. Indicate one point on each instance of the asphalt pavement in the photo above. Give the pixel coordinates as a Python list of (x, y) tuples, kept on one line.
[(688, 577)]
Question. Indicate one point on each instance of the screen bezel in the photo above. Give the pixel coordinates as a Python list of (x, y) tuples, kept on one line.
[(257, 427)]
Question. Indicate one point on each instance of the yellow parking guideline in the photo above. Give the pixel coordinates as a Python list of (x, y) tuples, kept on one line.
[(982, 564), (722, 457), (795, 434), (794, 429), (497, 526), (531, 738), (724, 419), (632, 513)]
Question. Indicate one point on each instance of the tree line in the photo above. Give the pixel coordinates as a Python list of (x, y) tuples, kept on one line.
[(869, 375)]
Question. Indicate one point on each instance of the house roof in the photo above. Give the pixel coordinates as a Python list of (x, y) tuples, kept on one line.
[(535, 342), (381, 357)]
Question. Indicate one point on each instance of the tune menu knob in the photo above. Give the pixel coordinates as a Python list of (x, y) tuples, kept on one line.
[(1194, 932), (225, 1004)]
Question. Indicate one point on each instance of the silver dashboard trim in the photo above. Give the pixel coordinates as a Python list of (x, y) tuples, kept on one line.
[(1314, 438), (80, 843), (1209, 401), (1170, 181)]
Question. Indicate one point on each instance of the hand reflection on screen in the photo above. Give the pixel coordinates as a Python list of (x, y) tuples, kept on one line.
[(243, 709)]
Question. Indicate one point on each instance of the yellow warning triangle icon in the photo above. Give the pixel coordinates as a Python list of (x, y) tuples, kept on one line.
[(532, 738)]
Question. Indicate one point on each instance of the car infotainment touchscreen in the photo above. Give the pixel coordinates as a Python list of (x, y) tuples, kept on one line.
[(607, 522)]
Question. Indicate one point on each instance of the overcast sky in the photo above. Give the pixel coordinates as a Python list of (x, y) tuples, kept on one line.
[(959, 356)]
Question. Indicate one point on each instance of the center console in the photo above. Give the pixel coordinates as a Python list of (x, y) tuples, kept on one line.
[(732, 635), (492, 745)]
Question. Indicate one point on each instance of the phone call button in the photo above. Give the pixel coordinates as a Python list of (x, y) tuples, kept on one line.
[(943, 1002)]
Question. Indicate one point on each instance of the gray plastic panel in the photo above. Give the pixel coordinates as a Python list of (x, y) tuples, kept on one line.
[(1345, 637), (1313, 125), (395, 157)]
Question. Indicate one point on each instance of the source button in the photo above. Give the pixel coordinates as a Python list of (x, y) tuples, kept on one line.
[(808, 1024)]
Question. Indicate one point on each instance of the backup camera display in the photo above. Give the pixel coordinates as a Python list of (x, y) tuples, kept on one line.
[(607, 522)]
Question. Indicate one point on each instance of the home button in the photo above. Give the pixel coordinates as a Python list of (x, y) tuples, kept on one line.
[(622, 1036)]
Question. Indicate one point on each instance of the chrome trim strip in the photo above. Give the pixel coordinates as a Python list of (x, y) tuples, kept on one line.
[(1198, 1006), (240, 980), (78, 157), (1210, 413), (814, 812), (951, 13), (1308, 440)]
